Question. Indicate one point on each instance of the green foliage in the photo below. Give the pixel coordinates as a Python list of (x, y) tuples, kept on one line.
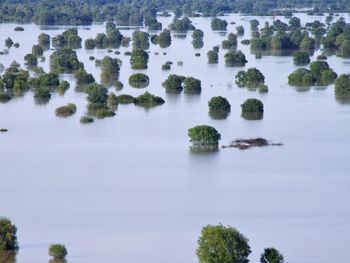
[(192, 85), (173, 84), (4, 97), (231, 42), (42, 93), (219, 104), (213, 57), (252, 106), (235, 58), (140, 40), (319, 74), (112, 99), (97, 94), (8, 42), (219, 108), (31, 60), (342, 87), (197, 34), (301, 58), (148, 100), (49, 80), (204, 135), (44, 40), (77, 12), (164, 38), (65, 111), (139, 80), (240, 30), (321, 57), (63, 87), (15, 79), (184, 24), (86, 119), (118, 85), (251, 78), (222, 244), (254, 25), (103, 113), (294, 22), (68, 39), (218, 24), (83, 78), (271, 255), (166, 66), (37, 50), (8, 235), (153, 23), (89, 43), (109, 70), (125, 99), (64, 60), (263, 88), (58, 251), (301, 77), (139, 59)]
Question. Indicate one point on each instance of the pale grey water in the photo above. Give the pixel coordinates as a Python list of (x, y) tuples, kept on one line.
[(127, 189)]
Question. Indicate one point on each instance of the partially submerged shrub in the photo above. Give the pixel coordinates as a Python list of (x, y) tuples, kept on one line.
[(252, 109), (148, 100), (63, 87), (58, 251), (192, 85), (103, 113), (125, 99), (4, 98), (204, 134), (65, 111), (219, 108), (86, 119), (139, 80)]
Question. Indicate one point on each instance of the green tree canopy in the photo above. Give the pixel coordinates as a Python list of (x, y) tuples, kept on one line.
[(8, 235), (222, 244)]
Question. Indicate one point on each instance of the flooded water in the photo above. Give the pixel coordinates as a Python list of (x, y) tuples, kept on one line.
[(127, 189)]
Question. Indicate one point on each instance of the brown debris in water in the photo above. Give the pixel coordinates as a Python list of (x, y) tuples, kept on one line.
[(243, 144)]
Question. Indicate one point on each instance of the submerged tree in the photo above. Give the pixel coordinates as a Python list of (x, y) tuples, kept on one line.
[(58, 251), (301, 58), (251, 78), (218, 24), (173, 84), (148, 100), (139, 80), (139, 59), (235, 58), (342, 88), (219, 107), (222, 244), (64, 60), (8, 235), (252, 109), (140, 40), (271, 255), (192, 85), (204, 138)]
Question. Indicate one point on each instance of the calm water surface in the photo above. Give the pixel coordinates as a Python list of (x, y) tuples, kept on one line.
[(127, 189)]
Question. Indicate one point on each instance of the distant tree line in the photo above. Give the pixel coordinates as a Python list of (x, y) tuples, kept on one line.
[(82, 12)]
